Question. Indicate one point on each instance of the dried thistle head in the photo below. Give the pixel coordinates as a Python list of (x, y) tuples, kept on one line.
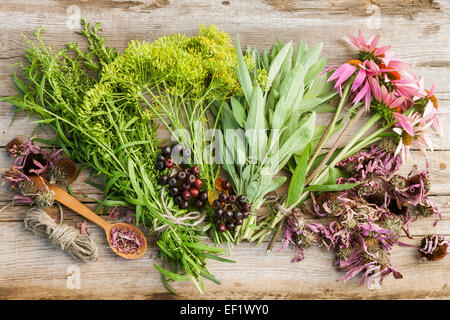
[(344, 253), (330, 203), (388, 144), (45, 199), (433, 247), (399, 182), (393, 223), (64, 171), (15, 147), (27, 188), (306, 239)]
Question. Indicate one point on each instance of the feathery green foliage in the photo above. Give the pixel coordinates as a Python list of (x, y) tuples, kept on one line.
[(92, 99)]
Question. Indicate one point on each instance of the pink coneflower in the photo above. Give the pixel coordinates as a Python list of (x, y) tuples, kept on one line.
[(390, 105), (374, 64)]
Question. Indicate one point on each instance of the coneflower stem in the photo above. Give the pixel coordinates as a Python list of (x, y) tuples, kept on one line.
[(330, 126), (335, 146), (275, 236)]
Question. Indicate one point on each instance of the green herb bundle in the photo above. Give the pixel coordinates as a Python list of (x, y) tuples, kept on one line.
[(92, 100), (273, 121)]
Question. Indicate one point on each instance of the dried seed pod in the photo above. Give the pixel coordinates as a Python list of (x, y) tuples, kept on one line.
[(64, 171), (433, 247), (45, 199), (27, 188), (388, 144), (399, 182), (15, 147)]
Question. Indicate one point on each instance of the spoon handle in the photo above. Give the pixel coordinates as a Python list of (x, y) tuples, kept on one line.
[(72, 203)]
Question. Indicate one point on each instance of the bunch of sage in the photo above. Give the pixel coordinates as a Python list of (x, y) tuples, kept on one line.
[(273, 119)]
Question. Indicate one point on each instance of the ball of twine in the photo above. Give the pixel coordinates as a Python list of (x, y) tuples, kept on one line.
[(80, 246)]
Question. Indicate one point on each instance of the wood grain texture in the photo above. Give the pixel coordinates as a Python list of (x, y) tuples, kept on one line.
[(419, 31)]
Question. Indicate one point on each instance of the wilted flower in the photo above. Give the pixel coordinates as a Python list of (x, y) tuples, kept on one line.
[(433, 247)]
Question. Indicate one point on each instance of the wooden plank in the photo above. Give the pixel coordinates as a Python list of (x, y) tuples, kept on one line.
[(419, 33), (313, 278)]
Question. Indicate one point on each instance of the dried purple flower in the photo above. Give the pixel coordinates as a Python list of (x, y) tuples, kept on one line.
[(15, 147), (433, 247), (377, 162), (126, 240)]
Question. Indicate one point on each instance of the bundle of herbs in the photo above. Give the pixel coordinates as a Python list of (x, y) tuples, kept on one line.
[(92, 99), (272, 120)]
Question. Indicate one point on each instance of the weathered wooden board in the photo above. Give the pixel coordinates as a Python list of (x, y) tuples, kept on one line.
[(418, 31)]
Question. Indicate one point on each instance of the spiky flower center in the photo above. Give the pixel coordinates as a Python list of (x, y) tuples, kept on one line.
[(368, 55)]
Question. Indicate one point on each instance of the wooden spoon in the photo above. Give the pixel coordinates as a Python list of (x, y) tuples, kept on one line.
[(72, 203)]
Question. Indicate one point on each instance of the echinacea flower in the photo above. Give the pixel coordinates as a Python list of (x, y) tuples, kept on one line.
[(390, 105), (371, 63)]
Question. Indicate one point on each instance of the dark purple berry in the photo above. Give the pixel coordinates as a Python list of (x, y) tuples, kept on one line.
[(184, 205), (203, 196), (168, 163), (162, 180), (216, 203), (178, 200), (195, 170), (219, 213), (222, 227), (160, 166), (232, 198), (172, 181), (226, 185), (199, 203), (185, 186), (173, 191), (242, 199), (186, 195), (191, 178), (160, 158), (239, 222), (246, 207), (181, 176), (223, 197), (166, 151), (238, 215), (228, 214), (230, 226), (245, 214), (188, 172)]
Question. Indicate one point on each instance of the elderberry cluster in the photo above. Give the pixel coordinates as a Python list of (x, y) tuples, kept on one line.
[(184, 184), (231, 210)]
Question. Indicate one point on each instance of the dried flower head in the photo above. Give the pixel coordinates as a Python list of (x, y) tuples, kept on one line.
[(399, 182), (27, 188), (63, 171), (329, 203), (433, 247), (387, 144), (15, 147), (45, 199)]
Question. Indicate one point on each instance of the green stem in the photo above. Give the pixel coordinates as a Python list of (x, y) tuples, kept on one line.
[(335, 145), (330, 126)]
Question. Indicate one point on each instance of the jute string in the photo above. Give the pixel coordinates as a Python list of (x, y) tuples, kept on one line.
[(194, 215), (80, 246)]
